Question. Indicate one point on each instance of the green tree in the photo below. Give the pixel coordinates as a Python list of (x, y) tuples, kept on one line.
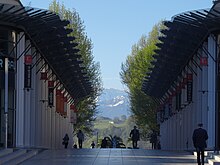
[(87, 106), (133, 71), (123, 118)]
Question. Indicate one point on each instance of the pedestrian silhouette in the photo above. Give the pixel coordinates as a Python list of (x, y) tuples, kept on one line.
[(114, 142), (199, 141), (153, 139), (135, 136), (66, 140), (93, 144), (104, 143), (80, 137)]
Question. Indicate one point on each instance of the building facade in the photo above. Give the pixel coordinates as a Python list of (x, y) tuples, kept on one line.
[(41, 77), (185, 79)]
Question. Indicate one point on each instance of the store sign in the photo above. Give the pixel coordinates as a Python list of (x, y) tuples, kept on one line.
[(43, 76), (50, 97), (189, 87), (27, 71), (58, 101), (73, 108), (204, 61), (50, 84), (11, 65), (27, 76), (62, 104), (28, 59)]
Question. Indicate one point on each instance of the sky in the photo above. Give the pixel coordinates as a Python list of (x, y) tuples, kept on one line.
[(115, 25)]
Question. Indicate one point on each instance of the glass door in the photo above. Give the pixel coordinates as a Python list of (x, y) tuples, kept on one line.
[(11, 118), (2, 130)]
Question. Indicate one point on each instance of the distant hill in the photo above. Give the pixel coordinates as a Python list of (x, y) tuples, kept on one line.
[(113, 103)]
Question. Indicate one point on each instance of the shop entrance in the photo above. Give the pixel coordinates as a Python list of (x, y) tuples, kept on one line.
[(10, 139), (217, 142)]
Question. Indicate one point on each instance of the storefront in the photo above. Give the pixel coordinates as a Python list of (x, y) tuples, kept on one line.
[(7, 43), (185, 79), (37, 58)]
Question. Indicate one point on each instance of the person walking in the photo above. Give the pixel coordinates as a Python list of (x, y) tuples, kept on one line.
[(199, 141), (153, 140), (104, 143), (66, 140), (80, 137), (114, 142), (135, 136), (92, 144)]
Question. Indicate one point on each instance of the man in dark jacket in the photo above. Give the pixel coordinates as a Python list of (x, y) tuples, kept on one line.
[(135, 136), (199, 141), (153, 140), (66, 140)]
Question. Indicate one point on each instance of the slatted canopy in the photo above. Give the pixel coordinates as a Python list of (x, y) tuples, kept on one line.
[(181, 39), (49, 35)]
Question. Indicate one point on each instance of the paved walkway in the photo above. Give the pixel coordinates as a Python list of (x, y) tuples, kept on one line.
[(111, 157)]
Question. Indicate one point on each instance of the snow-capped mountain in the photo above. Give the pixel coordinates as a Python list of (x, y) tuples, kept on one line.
[(113, 103)]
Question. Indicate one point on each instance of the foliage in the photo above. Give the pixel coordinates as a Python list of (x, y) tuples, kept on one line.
[(87, 106), (118, 141), (107, 128), (133, 71)]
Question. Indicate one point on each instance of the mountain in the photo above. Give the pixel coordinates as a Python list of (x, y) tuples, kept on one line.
[(113, 103)]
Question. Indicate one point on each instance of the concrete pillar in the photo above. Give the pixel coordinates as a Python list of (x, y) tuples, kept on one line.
[(53, 127), (27, 107), (33, 104), (20, 93), (57, 130), (211, 93), (39, 108)]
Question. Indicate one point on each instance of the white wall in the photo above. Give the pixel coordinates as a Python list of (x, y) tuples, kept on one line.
[(178, 129), (37, 125), (20, 133), (211, 92)]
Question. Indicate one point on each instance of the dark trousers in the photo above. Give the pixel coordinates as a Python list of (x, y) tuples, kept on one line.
[(200, 156), (80, 143), (134, 142), (66, 144), (153, 146)]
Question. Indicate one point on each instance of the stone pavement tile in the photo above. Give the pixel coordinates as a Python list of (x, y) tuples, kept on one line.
[(111, 157), (100, 162), (133, 162), (115, 160)]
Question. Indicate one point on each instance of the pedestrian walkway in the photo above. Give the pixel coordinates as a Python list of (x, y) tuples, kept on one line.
[(111, 157)]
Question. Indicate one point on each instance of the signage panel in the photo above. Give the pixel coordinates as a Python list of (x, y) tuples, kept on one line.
[(50, 97), (27, 76), (189, 87), (28, 59), (11, 65), (58, 100)]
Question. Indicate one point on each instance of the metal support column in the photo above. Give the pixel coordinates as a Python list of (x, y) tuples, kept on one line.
[(6, 102)]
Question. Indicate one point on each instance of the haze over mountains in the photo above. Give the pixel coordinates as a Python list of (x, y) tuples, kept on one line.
[(113, 103)]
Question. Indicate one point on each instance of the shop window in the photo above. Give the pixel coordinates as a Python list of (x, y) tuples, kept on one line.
[(2, 135), (7, 42), (10, 118)]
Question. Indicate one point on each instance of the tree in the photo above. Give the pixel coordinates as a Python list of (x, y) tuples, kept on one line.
[(133, 71), (116, 120), (87, 106), (123, 117)]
